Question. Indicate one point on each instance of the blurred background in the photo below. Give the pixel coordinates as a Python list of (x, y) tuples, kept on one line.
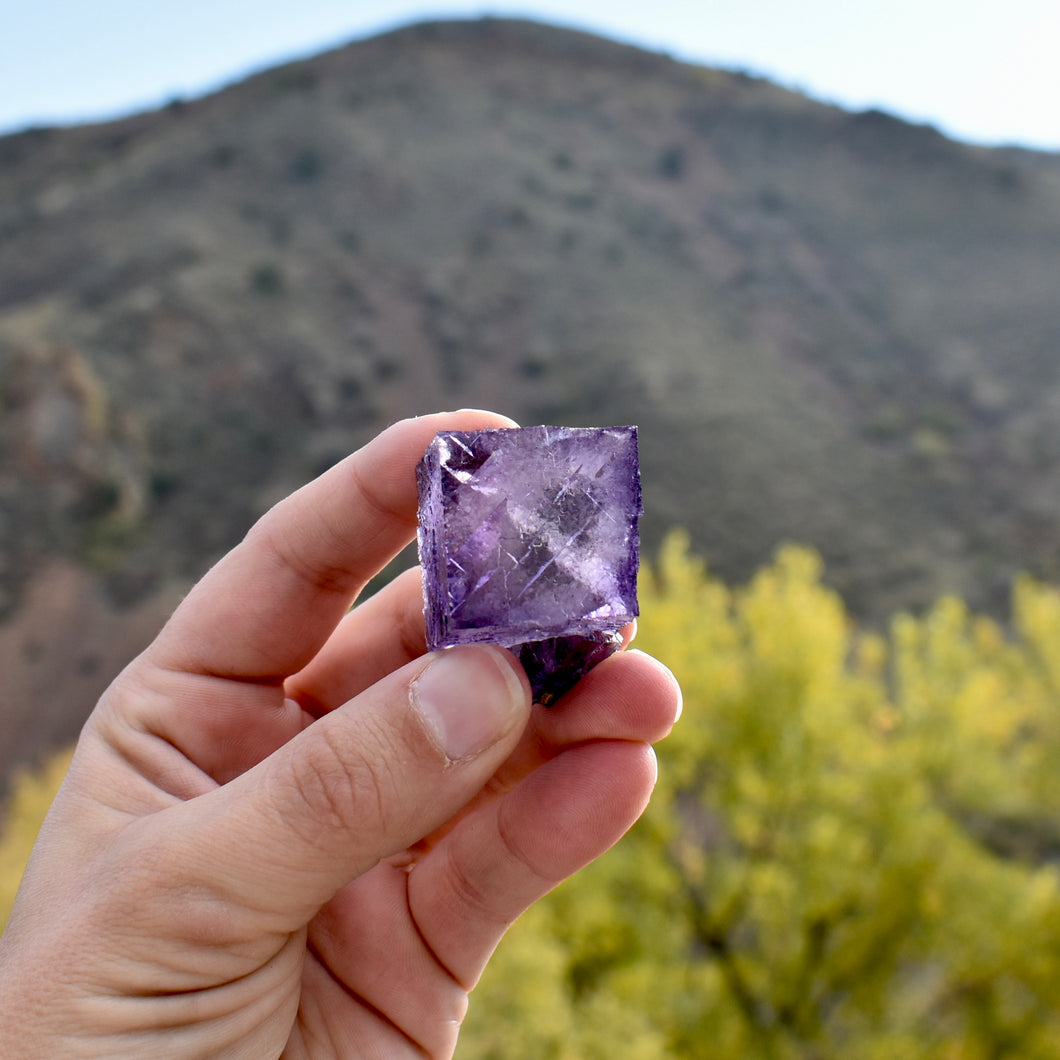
[(811, 251)]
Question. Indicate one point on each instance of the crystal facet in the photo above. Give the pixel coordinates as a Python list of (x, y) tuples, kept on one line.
[(529, 539)]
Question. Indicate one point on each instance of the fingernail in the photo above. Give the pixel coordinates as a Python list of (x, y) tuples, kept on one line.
[(486, 412), (468, 698)]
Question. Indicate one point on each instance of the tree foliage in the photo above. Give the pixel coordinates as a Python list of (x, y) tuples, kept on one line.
[(852, 850), (31, 795)]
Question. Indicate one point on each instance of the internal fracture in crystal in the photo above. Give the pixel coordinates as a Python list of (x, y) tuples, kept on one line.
[(529, 539)]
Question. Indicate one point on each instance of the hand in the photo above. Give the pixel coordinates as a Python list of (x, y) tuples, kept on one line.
[(289, 831)]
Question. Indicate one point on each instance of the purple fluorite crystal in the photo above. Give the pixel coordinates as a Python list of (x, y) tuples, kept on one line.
[(528, 539)]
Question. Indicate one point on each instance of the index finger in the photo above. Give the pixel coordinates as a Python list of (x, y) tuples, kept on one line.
[(265, 609)]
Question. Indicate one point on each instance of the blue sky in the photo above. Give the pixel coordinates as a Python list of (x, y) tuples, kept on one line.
[(980, 70)]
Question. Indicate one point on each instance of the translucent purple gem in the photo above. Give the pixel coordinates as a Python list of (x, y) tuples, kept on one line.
[(528, 538)]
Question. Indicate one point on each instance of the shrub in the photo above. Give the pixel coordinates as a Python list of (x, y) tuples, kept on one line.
[(851, 851), (820, 872)]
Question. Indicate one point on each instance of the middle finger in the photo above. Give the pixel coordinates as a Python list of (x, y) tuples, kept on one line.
[(377, 637)]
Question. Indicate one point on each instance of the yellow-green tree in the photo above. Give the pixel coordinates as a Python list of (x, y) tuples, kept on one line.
[(31, 795), (852, 851), (849, 853)]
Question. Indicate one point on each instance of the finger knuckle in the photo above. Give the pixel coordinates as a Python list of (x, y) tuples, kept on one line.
[(337, 790)]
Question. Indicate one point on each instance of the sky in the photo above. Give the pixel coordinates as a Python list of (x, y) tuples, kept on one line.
[(985, 71)]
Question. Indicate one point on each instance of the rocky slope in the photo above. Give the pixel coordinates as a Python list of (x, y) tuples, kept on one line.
[(831, 327)]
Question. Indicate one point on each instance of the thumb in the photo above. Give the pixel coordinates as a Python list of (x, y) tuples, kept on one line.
[(360, 784)]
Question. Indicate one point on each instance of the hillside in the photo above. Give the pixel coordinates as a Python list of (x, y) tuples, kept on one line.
[(833, 328)]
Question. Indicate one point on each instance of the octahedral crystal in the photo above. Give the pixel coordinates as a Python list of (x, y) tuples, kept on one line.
[(529, 539)]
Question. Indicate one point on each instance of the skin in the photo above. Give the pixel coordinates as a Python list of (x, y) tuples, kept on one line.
[(289, 831)]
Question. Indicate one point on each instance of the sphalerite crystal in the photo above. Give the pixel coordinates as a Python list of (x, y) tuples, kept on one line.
[(528, 538)]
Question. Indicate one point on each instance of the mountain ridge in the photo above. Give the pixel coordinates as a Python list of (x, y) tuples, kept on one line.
[(832, 327)]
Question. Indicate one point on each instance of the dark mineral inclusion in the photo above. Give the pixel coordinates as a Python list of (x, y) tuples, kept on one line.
[(528, 538)]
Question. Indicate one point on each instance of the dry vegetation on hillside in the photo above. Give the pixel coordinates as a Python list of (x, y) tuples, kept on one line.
[(832, 328)]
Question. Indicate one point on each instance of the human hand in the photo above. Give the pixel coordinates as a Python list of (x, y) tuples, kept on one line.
[(289, 831)]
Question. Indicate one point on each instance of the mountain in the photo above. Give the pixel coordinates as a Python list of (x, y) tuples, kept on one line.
[(831, 327)]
